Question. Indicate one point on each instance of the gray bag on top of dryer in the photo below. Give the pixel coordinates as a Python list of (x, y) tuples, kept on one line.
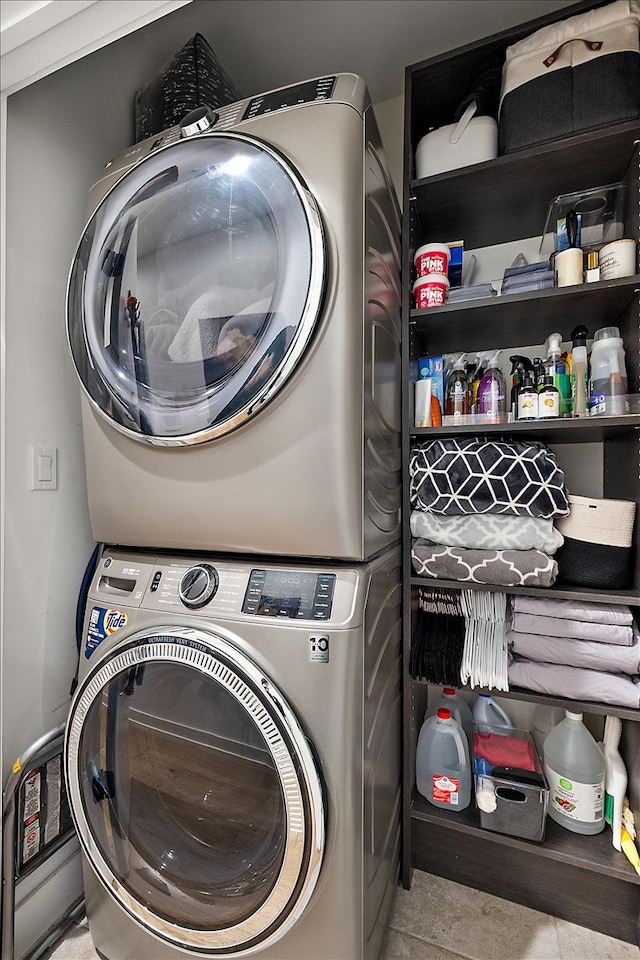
[(572, 76)]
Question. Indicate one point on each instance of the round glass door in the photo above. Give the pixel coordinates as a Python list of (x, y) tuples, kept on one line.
[(195, 289), (194, 792)]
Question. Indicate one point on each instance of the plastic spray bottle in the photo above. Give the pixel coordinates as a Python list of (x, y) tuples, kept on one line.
[(456, 402), (579, 386), (575, 770), (478, 374), (615, 778), (492, 390), (555, 366), (520, 366)]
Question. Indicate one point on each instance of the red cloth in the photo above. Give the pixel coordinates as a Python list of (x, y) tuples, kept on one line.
[(505, 751)]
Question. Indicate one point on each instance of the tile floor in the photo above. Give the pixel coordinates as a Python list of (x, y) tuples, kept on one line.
[(441, 920)]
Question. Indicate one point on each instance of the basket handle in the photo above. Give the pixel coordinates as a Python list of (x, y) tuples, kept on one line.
[(594, 45)]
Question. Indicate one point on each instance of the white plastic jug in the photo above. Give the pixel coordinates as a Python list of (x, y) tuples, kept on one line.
[(486, 710), (460, 710), (443, 770), (574, 767), (545, 718)]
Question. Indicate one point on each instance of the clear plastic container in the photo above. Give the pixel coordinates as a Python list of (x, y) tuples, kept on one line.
[(443, 768), (459, 708), (608, 374), (575, 768), (486, 710)]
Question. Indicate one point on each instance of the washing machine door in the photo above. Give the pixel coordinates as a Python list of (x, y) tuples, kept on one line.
[(195, 792), (195, 289)]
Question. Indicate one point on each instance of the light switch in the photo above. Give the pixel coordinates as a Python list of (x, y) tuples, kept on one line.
[(43, 468)]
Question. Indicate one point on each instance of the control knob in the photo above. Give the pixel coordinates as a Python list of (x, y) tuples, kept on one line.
[(197, 121), (198, 585)]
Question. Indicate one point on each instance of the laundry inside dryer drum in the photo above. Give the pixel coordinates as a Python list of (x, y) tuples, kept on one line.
[(198, 278)]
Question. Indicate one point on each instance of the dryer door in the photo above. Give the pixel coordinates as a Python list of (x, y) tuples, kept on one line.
[(195, 289), (194, 792)]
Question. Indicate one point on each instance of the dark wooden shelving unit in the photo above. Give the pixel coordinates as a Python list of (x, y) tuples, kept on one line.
[(582, 879), (500, 321)]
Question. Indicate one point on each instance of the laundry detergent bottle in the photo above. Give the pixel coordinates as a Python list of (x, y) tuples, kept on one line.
[(443, 770), (575, 770), (486, 710), (459, 708)]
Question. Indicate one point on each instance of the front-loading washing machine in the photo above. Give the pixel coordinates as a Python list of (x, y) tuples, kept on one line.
[(233, 316), (233, 757)]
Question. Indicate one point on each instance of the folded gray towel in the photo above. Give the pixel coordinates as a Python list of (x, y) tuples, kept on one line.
[(591, 655), (576, 629), (487, 531), (574, 610), (573, 682)]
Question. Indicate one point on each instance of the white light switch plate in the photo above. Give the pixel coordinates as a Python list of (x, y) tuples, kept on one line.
[(43, 468)]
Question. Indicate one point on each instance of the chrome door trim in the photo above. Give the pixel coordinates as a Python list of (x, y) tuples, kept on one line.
[(206, 652), (309, 319)]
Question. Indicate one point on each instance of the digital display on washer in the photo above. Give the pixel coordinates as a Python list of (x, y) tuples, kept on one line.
[(290, 97), (295, 594)]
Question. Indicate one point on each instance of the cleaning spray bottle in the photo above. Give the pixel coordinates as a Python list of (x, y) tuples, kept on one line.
[(615, 778), (456, 402), (579, 387), (478, 374), (555, 366), (492, 391), (520, 366)]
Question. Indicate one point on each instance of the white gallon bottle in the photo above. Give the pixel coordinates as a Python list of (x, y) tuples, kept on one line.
[(443, 770), (486, 710), (460, 710), (574, 766)]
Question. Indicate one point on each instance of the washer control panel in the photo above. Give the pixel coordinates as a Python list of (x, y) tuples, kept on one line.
[(198, 585), (296, 594)]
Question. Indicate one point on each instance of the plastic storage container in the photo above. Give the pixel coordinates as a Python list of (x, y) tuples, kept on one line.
[(511, 790), (459, 708), (608, 374), (575, 769), (443, 770), (486, 710)]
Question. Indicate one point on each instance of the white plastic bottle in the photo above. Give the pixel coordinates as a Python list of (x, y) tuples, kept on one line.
[(608, 374), (460, 710), (615, 778), (574, 767), (545, 718), (443, 770), (486, 710)]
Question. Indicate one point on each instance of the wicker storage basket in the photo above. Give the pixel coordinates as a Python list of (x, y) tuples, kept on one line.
[(598, 536)]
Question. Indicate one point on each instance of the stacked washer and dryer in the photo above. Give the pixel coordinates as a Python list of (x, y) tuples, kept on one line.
[(233, 747)]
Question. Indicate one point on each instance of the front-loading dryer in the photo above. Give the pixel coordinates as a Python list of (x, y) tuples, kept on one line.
[(233, 757), (233, 316)]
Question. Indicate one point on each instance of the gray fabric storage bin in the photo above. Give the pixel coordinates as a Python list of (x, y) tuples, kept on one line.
[(572, 76)]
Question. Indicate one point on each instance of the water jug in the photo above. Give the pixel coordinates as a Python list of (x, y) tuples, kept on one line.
[(575, 768), (443, 771), (486, 710), (460, 710)]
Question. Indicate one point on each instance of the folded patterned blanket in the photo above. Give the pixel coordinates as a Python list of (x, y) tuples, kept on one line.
[(574, 610), (573, 682), (488, 531), (469, 475), (576, 629), (608, 657), (508, 568)]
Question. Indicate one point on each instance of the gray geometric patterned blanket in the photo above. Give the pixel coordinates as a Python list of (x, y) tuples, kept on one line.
[(474, 475), (508, 568)]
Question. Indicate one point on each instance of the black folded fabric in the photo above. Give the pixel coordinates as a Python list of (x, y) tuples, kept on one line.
[(192, 78)]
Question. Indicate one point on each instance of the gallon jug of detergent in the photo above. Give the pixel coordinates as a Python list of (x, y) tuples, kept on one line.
[(443, 771), (459, 708), (486, 710), (575, 768)]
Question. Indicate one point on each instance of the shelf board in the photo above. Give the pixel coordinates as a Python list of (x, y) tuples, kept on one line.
[(570, 430), (493, 202), (505, 320), (530, 696), (594, 853), (629, 598)]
